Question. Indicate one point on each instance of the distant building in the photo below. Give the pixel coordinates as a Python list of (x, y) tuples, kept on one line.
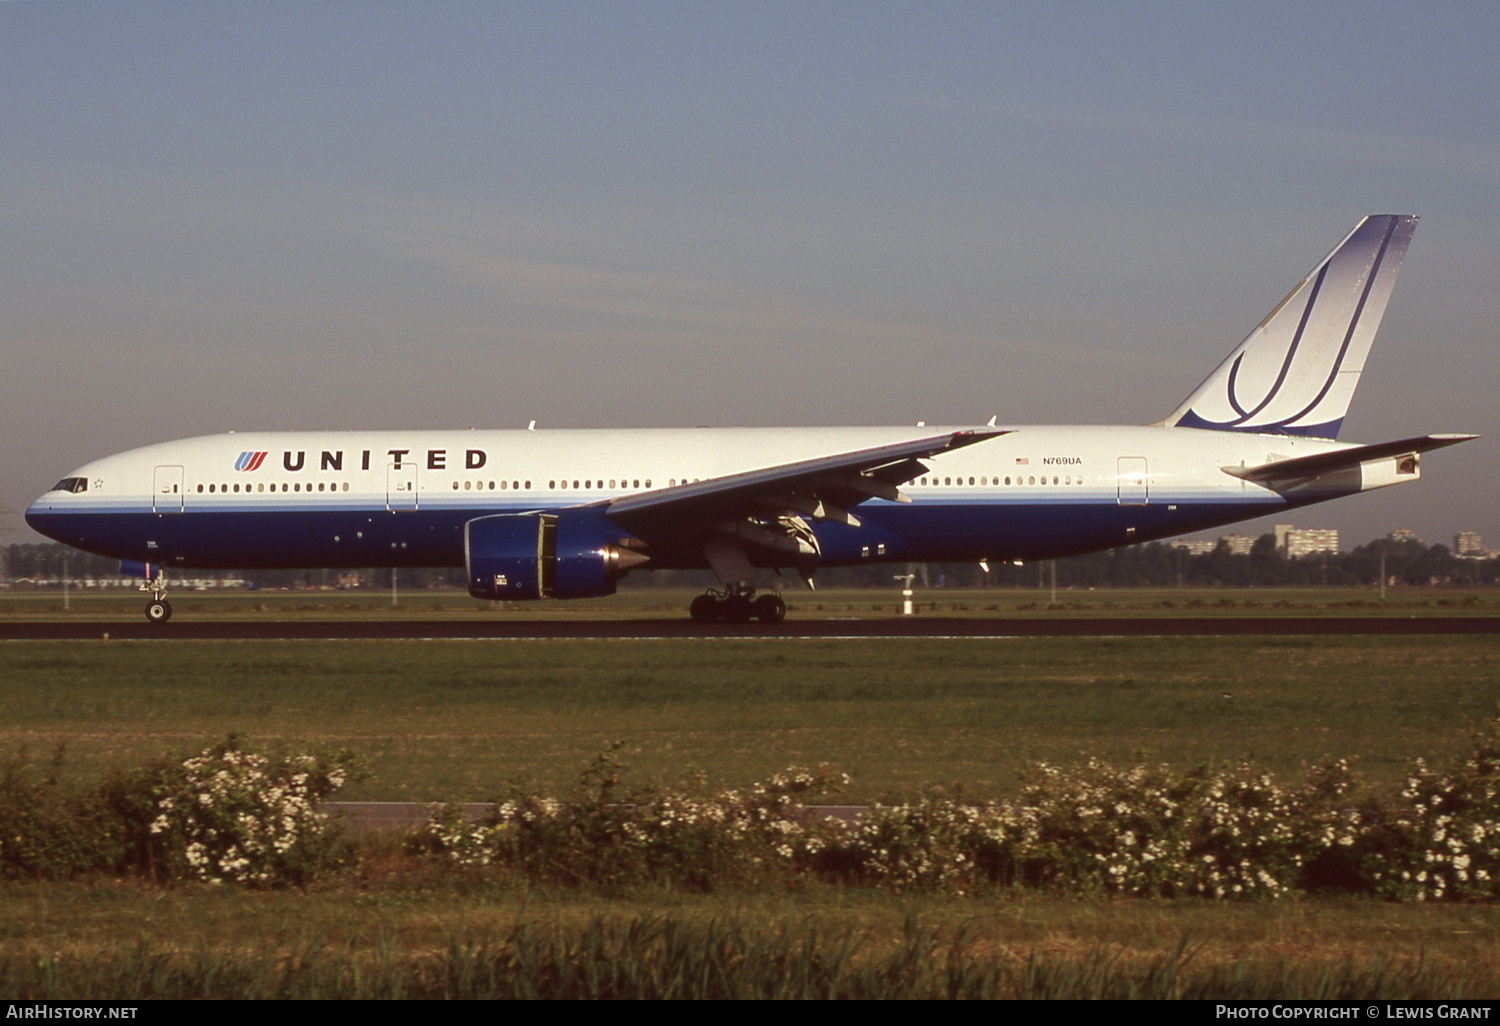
[(1403, 534), (1239, 544), (1195, 548), (1294, 542), (1468, 544)]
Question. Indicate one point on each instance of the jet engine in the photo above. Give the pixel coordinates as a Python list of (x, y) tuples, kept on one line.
[(570, 554)]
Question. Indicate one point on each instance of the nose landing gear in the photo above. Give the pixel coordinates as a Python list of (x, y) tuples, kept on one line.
[(158, 610), (737, 605)]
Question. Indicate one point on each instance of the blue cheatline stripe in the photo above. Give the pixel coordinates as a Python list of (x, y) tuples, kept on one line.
[(1328, 429)]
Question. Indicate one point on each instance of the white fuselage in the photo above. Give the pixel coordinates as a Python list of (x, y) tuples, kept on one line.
[(402, 497)]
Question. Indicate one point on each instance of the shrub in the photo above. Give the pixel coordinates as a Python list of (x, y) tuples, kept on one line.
[(1224, 833), (1442, 838), (688, 837), (233, 813), (230, 813), (935, 845), (1227, 832), (45, 831)]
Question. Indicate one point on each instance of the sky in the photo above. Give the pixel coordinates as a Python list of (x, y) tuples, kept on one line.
[(340, 215)]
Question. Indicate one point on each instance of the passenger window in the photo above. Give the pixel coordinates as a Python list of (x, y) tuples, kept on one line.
[(200, 488)]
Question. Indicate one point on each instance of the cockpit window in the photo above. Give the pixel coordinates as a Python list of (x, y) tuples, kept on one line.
[(72, 484)]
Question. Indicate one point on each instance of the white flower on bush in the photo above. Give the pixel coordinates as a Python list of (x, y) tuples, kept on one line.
[(238, 814)]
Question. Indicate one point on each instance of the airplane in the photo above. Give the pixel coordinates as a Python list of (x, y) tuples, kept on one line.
[(565, 514)]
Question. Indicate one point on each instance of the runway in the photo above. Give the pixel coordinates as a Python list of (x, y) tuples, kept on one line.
[(683, 628)]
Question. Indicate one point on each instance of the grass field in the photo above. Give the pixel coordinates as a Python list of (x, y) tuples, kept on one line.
[(654, 603), (430, 939), (456, 719)]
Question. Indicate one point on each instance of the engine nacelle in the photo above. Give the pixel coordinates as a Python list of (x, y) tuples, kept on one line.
[(571, 554)]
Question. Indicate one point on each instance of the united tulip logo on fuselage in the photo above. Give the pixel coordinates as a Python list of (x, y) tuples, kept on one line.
[(250, 461)]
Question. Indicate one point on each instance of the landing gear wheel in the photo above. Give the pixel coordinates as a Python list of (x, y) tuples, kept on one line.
[(704, 609), (770, 609), (159, 611), (736, 609)]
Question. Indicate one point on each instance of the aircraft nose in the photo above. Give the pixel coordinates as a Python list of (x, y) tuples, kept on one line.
[(39, 516)]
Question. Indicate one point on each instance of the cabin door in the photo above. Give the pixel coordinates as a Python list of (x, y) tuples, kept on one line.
[(166, 490), (1134, 489), (401, 487)]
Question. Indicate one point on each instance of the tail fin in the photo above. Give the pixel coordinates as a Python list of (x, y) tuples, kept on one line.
[(1297, 371)]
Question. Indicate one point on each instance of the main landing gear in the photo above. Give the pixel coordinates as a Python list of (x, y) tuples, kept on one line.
[(737, 605), (158, 610)]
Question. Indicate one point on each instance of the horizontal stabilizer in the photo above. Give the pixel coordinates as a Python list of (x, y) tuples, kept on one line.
[(1343, 459)]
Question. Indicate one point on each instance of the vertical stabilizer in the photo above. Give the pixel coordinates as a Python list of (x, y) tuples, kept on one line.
[(1297, 371)]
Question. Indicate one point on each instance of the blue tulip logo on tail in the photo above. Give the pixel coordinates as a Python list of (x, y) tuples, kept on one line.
[(1297, 371), (250, 461)]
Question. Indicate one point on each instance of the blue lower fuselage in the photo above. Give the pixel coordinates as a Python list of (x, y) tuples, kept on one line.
[(922, 531)]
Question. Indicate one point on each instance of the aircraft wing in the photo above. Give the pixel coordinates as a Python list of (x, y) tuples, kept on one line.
[(822, 488), (1342, 459)]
